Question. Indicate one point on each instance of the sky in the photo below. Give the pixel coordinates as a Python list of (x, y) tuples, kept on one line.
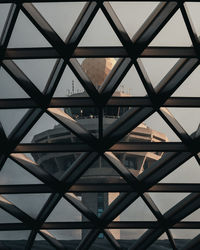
[(61, 17)]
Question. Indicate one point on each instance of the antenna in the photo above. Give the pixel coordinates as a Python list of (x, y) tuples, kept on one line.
[(72, 86)]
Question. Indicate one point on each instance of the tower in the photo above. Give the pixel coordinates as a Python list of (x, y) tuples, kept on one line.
[(136, 162)]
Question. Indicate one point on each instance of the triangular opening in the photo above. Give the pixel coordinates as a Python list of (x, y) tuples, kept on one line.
[(158, 129), (89, 120), (195, 216), (137, 211), (100, 35), (130, 234), (9, 88), (101, 242), (69, 86), (3, 14), (60, 16), (136, 13), (10, 118), (194, 9), (31, 38), (12, 239), (84, 118), (174, 33), (56, 164), (161, 243), (189, 172), (157, 68), (70, 238), (166, 201), (100, 170), (111, 114), (31, 204), (7, 218), (13, 174), (37, 70), (64, 212), (190, 87), (97, 202), (48, 130), (185, 115), (135, 162), (131, 85), (182, 236), (42, 243), (98, 69)]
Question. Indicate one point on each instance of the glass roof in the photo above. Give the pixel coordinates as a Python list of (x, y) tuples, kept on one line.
[(86, 162)]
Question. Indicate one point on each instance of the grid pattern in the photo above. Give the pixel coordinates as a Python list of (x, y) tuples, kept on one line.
[(158, 99)]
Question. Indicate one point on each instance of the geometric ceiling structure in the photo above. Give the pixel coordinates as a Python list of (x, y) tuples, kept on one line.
[(41, 44)]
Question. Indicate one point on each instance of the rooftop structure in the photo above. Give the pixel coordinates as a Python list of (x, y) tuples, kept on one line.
[(101, 170)]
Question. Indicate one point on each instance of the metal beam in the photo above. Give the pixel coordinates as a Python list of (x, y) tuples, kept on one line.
[(185, 102), (115, 186), (94, 52), (88, 225)]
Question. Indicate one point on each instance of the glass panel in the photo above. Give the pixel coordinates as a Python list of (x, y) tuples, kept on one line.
[(130, 234), (100, 35), (31, 204), (12, 173), (98, 69), (101, 242), (195, 216), (88, 118), (190, 87), (98, 203), (189, 172), (161, 243), (7, 218), (131, 85), (85, 117), (61, 16), (193, 11), (9, 88), (66, 235), (14, 239), (64, 212), (41, 243), (55, 163), (37, 70), (166, 201), (183, 236), (174, 33), (31, 38), (3, 14), (160, 131), (187, 117), (137, 162), (137, 211), (100, 170), (136, 13), (48, 130), (69, 85), (157, 68), (10, 118)]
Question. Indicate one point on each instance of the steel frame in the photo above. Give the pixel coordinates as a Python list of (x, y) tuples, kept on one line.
[(157, 100)]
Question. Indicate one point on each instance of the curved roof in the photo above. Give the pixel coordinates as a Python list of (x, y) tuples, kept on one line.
[(97, 69)]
